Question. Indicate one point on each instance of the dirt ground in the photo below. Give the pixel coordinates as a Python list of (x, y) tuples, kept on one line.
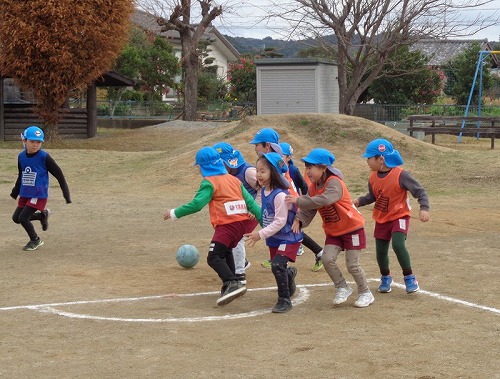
[(105, 298)]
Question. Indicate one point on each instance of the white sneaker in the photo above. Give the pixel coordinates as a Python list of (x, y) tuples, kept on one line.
[(342, 294), (364, 300)]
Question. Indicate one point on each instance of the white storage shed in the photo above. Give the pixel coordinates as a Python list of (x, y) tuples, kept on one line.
[(297, 85)]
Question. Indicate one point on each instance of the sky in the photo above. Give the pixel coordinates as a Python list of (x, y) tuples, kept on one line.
[(243, 18)]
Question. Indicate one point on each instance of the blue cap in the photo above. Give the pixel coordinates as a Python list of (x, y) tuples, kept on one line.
[(324, 157), (229, 155), (277, 161), (210, 162), (286, 148), (382, 147), (279, 164), (33, 133), (319, 156), (268, 135)]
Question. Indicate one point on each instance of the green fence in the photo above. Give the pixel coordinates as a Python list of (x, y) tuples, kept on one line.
[(393, 112), (221, 110)]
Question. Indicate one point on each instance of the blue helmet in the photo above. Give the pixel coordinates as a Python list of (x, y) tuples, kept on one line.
[(33, 133), (382, 147), (286, 148)]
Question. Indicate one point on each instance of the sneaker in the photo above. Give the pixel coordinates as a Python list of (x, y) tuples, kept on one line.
[(411, 284), (242, 278), (300, 251), (283, 305), (364, 300), (318, 265), (385, 284), (232, 290), (292, 287), (247, 265), (342, 294), (266, 264), (45, 219), (33, 245)]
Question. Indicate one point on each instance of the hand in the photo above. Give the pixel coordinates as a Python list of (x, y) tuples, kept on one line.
[(68, 201), (13, 196), (291, 199), (166, 216), (355, 203), (253, 238), (424, 216), (251, 216), (296, 225)]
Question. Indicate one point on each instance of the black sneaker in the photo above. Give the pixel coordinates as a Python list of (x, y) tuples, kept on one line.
[(45, 219), (242, 278), (283, 305), (292, 273), (33, 245), (247, 264), (233, 290)]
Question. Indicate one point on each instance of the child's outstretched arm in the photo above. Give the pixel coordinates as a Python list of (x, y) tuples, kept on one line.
[(54, 169), (252, 205), (365, 200), (17, 187), (201, 198), (408, 182), (333, 192)]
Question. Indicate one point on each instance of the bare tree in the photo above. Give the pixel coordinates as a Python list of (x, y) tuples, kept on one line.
[(53, 47), (180, 20), (368, 32)]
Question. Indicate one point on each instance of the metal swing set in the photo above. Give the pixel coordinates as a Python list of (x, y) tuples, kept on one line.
[(483, 54)]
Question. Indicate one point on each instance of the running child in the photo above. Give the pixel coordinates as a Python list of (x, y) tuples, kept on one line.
[(32, 185), (342, 223), (267, 140), (247, 174), (277, 219), (388, 187), (228, 203)]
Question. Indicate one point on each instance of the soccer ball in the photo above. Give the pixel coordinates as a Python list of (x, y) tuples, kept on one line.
[(187, 256)]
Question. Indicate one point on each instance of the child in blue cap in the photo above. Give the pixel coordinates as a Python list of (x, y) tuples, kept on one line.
[(267, 140), (229, 203), (342, 223), (388, 188), (277, 219), (32, 185), (247, 174)]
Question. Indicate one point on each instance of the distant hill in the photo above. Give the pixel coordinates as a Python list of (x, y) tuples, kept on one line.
[(289, 49)]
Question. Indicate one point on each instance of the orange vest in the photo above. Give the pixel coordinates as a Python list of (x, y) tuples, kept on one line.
[(341, 217), (292, 189), (227, 204), (391, 201)]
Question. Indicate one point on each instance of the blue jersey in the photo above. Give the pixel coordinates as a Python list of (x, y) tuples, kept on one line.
[(285, 235), (240, 174), (34, 175)]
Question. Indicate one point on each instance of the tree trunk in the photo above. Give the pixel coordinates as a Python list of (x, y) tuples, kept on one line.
[(190, 75), (51, 133), (191, 87)]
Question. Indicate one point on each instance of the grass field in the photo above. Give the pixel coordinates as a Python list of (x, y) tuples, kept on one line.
[(104, 297)]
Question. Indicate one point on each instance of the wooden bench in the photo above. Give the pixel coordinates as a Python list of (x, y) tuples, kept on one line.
[(479, 127)]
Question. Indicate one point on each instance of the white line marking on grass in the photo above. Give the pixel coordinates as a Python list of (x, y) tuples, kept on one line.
[(451, 299), (302, 297)]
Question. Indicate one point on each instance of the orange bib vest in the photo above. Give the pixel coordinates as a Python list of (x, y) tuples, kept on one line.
[(292, 189), (341, 217), (391, 201), (227, 204)]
